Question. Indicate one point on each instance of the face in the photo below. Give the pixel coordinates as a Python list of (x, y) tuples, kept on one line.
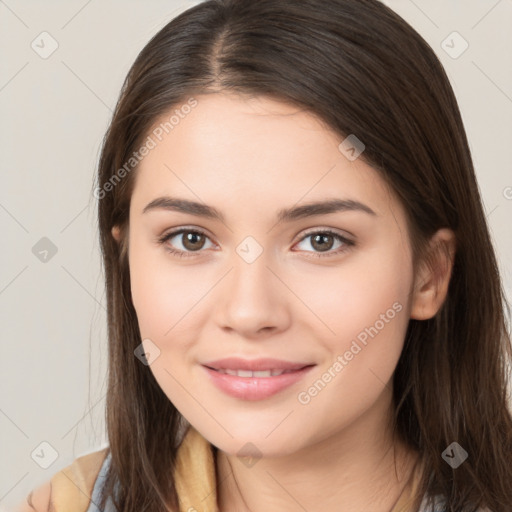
[(325, 290)]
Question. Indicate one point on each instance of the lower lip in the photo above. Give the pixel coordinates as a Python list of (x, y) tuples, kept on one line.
[(255, 388)]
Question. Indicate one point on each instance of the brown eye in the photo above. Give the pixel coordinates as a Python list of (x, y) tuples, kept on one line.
[(191, 240), (322, 242)]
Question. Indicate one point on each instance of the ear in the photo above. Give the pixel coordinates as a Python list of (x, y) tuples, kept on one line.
[(116, 233), (433, 276)]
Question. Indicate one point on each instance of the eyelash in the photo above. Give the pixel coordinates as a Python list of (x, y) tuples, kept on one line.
[(176, 252)]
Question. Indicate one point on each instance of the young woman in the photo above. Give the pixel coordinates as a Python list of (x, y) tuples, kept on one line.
[(304, 305)]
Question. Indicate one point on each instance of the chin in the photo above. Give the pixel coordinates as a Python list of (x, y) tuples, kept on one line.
[(249, 441)]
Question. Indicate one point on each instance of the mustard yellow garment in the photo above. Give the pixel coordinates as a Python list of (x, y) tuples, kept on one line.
[(195, 479)]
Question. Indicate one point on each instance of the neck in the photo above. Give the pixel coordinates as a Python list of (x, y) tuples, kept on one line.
[(349, 471)]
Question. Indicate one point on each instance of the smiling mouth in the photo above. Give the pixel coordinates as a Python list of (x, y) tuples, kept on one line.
[(255, 384)]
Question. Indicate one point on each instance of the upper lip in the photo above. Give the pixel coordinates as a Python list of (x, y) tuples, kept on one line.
[(236, 363)]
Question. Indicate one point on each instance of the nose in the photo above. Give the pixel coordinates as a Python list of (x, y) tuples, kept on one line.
[(253, 301)]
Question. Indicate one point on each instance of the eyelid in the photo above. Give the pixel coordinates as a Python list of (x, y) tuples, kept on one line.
[(324, 229), (176, 231), (161, 239), (347, 242)]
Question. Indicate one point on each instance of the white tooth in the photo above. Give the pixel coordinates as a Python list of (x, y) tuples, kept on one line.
[(244, 373), (262, 373), (248, 373)]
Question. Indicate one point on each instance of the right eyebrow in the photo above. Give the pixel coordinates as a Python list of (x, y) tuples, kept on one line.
[(184, 206)]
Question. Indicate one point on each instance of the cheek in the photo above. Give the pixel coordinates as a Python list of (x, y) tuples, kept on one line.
[(354, 295), (166, 298), (167, 301), (366, 312)]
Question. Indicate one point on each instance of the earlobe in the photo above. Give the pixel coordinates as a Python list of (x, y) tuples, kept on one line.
[(433, 278), (116, 233)]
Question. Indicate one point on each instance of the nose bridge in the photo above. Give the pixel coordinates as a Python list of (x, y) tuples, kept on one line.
[(252, 299), (250, 260), (251, 279), (251, 276)]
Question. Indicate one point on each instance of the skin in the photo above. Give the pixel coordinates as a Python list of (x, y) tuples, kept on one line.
[(249, 158)]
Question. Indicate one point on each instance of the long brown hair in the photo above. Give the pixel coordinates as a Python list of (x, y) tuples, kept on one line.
[(361, 69)]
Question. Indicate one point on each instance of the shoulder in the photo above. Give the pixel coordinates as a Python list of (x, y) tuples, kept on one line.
[(71, 487)]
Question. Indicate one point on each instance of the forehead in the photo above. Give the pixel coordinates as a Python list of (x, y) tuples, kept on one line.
[(258, 151)]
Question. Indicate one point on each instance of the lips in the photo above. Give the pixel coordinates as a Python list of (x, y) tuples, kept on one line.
[(254, 379)]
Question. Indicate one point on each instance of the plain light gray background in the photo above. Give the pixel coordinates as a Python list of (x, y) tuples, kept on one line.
[(54, 112)]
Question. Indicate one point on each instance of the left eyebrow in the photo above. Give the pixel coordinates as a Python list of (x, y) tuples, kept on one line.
[(283, 215), (322, 208)]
